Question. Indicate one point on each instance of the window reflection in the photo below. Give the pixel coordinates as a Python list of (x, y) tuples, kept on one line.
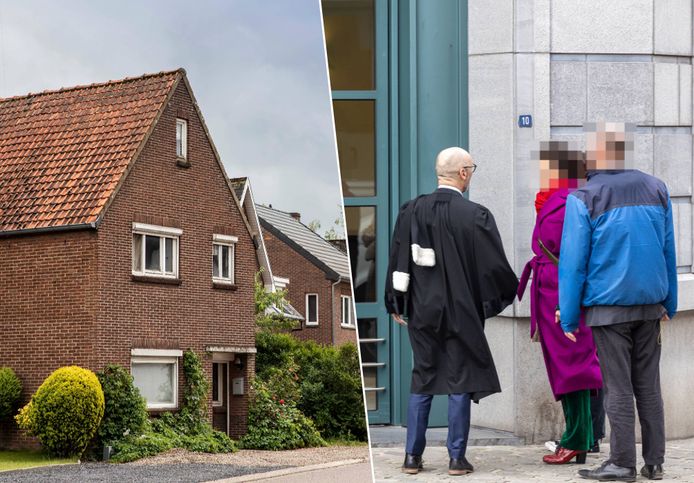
[(349, 38), (356, 144), (361, 237)]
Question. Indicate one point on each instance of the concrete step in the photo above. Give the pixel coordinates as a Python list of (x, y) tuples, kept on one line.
[(394, 436)]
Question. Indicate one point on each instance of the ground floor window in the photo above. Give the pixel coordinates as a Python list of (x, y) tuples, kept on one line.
[(155, 374)]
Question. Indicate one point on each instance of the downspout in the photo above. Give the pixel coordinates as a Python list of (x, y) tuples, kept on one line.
[(332, 301)]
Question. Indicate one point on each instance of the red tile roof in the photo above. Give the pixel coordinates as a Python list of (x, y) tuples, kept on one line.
[(62, 153)]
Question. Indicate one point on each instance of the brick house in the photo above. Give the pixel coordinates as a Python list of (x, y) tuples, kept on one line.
[(122, 241), (315, 274)]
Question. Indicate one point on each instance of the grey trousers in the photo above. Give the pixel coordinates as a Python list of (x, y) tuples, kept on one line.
[(629, 359)]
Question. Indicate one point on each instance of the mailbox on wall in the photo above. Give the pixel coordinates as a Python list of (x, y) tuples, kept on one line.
[(237, 386)]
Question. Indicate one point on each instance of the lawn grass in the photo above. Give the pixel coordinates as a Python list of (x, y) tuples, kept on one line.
[(18, 460), (346, 442)]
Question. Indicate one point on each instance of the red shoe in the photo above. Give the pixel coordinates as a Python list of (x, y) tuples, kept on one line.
[(564, 455)]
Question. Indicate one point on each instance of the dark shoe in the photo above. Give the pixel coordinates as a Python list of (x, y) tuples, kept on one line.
[(609, 472), (563, 456), (412, 464), (595, 448), (459, 466), (652, 472)]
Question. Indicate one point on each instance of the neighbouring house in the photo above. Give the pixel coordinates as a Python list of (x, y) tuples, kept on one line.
[(244, 193), (122, 241), (315, 274)]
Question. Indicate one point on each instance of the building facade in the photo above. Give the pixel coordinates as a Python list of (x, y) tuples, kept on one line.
[(315, 275), (427, 71), (111, 253)]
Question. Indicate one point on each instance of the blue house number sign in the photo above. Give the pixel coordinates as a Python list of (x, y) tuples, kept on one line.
[(525, 120)]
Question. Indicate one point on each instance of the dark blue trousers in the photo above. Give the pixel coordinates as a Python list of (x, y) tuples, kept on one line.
[(458, 423)]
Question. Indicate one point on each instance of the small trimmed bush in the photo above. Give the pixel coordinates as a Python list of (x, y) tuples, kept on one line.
[(125, 411), (10, 392), (65, 412)]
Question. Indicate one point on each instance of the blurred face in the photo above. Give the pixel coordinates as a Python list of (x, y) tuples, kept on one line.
[(607, 147), (561, 166)]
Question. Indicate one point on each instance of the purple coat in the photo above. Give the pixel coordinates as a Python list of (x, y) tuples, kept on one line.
[(571, 366)]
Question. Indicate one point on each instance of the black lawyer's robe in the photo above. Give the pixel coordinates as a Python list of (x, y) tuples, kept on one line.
[(447, 303)]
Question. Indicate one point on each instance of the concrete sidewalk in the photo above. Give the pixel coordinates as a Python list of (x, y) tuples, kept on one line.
[(394, 437), (356, 471), (518, 464)]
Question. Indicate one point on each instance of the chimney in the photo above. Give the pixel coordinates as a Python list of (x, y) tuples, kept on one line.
[(295, 215)]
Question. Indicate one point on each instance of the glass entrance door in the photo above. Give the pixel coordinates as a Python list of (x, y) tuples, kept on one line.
[(356, 33)]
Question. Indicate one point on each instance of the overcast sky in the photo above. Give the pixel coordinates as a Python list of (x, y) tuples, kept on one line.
[(257, 68)]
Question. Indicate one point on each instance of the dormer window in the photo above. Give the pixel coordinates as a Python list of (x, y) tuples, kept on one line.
[(182, 138)]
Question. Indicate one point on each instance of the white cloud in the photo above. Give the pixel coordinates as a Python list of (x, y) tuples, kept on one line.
[(257, 69)]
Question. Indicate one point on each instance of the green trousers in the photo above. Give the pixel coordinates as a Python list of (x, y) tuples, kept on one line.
[(579, 425)]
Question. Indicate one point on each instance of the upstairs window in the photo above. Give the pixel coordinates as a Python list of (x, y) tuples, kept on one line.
[(182, 138), (311, 309), (155, 250), (347, 317), (223, 258)]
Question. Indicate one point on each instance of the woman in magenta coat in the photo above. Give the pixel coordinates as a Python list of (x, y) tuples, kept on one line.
[(572, 366)]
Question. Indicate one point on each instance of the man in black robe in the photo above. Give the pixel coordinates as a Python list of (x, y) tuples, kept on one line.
[(447, 273)]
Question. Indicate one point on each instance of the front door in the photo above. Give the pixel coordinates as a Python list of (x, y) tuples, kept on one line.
[(220, 396)]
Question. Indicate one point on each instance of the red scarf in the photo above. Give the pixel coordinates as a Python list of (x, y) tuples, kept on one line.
[(542, 197)]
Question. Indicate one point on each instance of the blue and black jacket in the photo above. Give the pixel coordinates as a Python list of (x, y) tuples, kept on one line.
[(617, 245)]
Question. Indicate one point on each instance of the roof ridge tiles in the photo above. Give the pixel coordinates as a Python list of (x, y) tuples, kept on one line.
[(94, 85)]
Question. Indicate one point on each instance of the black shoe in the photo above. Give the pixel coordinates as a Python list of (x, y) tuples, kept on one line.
[(412, 464), (459, 466), (595, 448), (609, 472), (652, 472)]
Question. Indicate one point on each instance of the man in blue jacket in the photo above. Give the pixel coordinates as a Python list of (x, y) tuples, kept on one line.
[(618, 263)]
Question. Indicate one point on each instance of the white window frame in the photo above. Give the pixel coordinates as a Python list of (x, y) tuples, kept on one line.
[(315, 322), (346, 311), (183, 124), (220, 385), (162, 232), (228, 241), (158, 357)]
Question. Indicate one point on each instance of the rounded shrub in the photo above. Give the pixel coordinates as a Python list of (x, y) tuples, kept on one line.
[(65, 412), (10, 392), (125, 410)]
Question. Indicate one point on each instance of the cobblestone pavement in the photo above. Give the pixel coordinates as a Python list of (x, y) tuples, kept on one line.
[(519, 463)]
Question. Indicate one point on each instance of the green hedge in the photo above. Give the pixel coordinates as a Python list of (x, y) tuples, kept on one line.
[(65, 412), (10, 392), (275, 423), (328, 379), (125, 411)]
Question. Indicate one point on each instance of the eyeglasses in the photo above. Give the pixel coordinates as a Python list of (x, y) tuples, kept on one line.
[(474, 167)]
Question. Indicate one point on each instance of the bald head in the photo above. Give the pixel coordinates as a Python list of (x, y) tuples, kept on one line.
[(449, 167), (451, 160)]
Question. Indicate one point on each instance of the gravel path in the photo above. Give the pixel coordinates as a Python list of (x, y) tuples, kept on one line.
[(246, 457), (187, 467)]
